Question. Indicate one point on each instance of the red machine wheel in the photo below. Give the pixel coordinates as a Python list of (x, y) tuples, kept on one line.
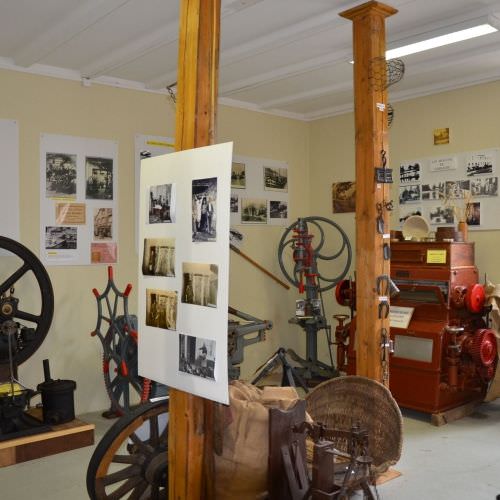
[(484, 348), (475, 298)]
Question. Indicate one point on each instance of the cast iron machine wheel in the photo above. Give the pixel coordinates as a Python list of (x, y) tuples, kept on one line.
[(308, 239), (26, 329), (131, 460), (119, 360)]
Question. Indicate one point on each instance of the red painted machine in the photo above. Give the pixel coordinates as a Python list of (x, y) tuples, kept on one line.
[(444, 355)]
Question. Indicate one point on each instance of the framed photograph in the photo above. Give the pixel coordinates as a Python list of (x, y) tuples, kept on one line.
[(161, 309), (60, 175), (480, 164), (204, 203), (99, 178), (409, 194), (161, 204), (199, 284), (234, 204), (197, 356), (474, 214), (254, 210), (484, 186), (343, 197), (159, 257), (457, 189), (276, 179), (434, 191), (238, 176), (441, 136), (441, 215), (103, 223), (278, 209), (409, 173), (60, 237)]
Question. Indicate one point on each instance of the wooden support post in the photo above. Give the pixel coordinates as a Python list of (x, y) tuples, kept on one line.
[(190, 438), (370, 110)]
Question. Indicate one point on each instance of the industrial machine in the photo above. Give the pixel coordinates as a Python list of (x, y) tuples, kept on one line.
[(443, 353), (307, 240)]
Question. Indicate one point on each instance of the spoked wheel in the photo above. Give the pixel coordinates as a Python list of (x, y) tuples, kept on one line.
[(131, 460), (28, 321)]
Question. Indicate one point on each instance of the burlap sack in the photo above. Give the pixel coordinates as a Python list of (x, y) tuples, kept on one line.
[(241, 470), (493, 299)]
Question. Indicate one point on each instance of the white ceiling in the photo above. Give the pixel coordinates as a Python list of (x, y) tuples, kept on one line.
[(288, 57)]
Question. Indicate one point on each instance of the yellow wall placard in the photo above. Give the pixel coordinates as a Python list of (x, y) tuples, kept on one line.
[(436, 256), (70, 213)]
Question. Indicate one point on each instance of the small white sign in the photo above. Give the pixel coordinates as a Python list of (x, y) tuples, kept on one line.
[(400, 317), (440, 164)]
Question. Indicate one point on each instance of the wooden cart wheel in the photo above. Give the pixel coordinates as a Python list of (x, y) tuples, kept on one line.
[(131, 460)]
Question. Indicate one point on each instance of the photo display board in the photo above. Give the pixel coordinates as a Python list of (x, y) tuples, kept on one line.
[(9, 187), (445, 188), (78, 200), (259, 191), (184, 270)]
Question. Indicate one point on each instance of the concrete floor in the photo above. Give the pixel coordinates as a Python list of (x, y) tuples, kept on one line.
[(458, 461)]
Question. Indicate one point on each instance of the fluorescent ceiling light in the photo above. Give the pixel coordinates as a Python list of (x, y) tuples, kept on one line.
[(440, 41)]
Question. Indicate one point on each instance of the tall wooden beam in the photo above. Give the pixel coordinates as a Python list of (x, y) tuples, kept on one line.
[(370, 99), (190, 426)]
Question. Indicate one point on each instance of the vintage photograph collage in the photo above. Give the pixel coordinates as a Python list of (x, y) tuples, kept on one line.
[(259, 192), (197, 356), (83, 204), (449, 189)]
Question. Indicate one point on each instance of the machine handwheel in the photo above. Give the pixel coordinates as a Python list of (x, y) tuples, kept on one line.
[(11, 309), (320, 225), (131, 460)]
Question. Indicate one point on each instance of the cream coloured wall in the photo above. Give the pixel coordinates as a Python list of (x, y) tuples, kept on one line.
[(472, 114), (49, 105)]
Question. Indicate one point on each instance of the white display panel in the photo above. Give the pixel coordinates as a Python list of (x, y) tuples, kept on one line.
[(200, 293), (9, 187), (78, 200)]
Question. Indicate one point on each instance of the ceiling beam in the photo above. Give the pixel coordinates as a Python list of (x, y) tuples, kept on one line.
[(77, 21)]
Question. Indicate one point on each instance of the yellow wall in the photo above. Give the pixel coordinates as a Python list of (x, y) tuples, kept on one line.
[(54, 106), (317, 153)]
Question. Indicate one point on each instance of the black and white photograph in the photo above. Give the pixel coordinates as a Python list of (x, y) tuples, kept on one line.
[(103, 223), (99, 178), (199, 284), (484, 186), (474, 214), (278, 209), (457, 189), (197, 356), (60, 238), (204, 209), (161, 204), (159, 257), (234, 204), (441, 215), (409, 194), (238, 176), (161, 309), (60, 175), (406, 212), (254, 210), (276, 179), (479, 164), (435, 191), (409, 173)]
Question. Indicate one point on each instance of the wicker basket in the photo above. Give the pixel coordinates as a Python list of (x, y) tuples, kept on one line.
[(341, 402)]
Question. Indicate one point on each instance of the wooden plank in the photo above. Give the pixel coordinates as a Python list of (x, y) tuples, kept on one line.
[(64, 437), (445, 417), (190, 450), (371, 138)]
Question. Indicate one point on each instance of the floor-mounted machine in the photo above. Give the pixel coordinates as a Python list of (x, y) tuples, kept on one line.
[(444, 355)]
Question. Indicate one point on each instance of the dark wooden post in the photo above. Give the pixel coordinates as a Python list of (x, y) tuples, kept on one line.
[(190, 424), (370, 96)]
